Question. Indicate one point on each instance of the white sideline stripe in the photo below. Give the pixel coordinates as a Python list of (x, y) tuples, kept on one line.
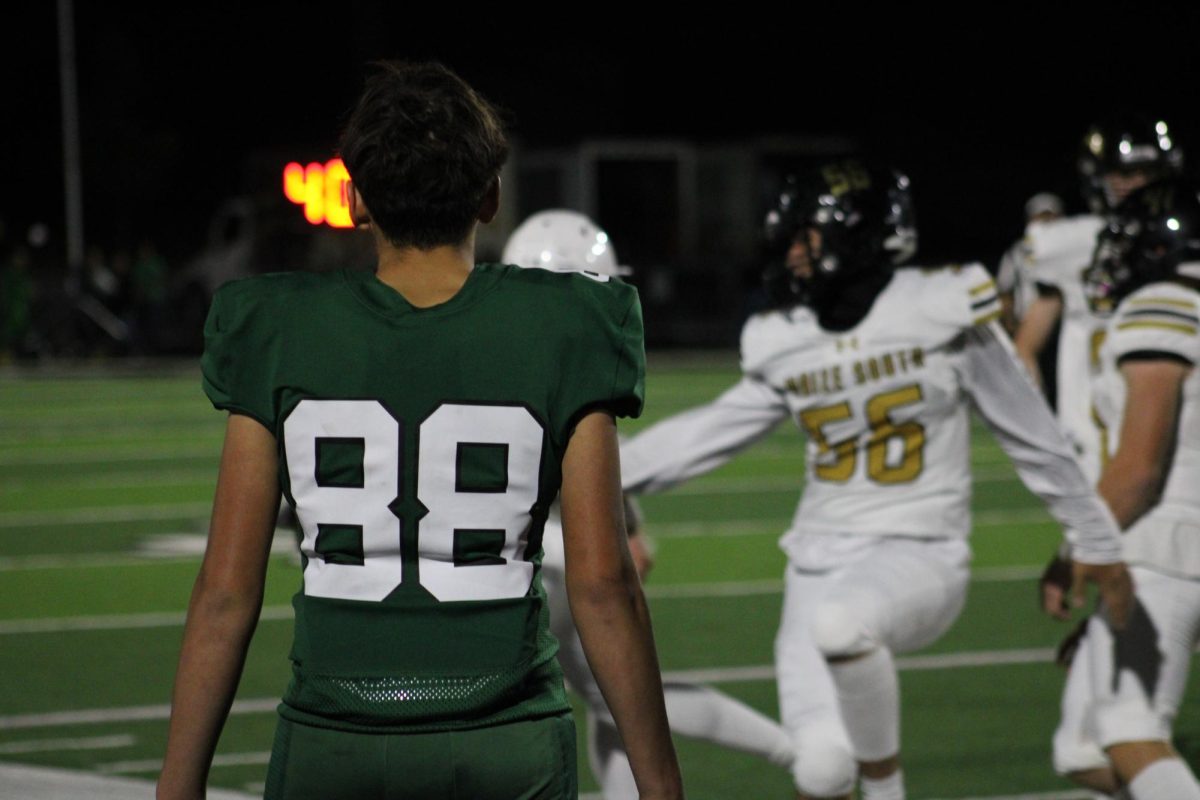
[(20, 563), (64, 456), (155, 764), (985, 658), (58, 745), (40, 783), (95, 716), (111, 622), (120, 480), (76, 516), (154, 549), (168, 619)]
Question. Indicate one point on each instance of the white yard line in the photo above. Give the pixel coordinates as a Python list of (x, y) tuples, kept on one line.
[(80, 455), (40, 783), (115, 622), (267, 705), (77, 516), (96, 716), (153, 476), (60, 745), (169, 619)]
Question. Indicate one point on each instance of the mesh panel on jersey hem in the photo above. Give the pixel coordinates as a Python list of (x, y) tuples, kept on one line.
[(549, 704), (406, 703)]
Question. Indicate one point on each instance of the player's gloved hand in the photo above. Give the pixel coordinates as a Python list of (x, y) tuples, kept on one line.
[(1070, 644), (1054, 586), (1115, 585)]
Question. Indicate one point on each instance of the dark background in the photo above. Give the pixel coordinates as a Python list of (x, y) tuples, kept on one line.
[(982, 106)]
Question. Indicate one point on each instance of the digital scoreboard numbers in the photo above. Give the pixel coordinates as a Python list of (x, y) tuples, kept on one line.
[(320, 189)]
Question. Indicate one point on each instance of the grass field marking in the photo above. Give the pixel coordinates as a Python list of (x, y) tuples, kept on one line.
[(41, 783), (667, 591), (263, 705), (84, 561), (59, 745), (105, 716), (110, 622), (68, 456), (75, 516), (155, 477), (155, 764)]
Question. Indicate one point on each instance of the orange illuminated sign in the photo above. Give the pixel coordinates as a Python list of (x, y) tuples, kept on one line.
[(320, 189)]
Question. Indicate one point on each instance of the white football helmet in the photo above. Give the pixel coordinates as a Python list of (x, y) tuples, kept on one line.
[(562, 241)]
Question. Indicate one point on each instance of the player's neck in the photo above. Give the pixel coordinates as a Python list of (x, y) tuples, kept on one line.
[(427, 277)]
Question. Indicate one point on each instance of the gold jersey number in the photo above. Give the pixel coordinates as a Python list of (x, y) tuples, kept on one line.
[(840, 467)]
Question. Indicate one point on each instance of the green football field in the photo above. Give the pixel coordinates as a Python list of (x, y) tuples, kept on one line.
[(105, 485)]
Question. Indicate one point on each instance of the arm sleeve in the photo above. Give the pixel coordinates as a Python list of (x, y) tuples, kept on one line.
[(603, 363), (629, 373), (1005, 397), (234, 363), (700, 440)]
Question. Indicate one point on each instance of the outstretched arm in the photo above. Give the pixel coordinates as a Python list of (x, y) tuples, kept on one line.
[(224, 607), (700, 439), (1009, 403), (609, 608)]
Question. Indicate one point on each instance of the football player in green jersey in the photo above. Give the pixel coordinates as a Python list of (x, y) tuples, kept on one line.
[(421, 420)]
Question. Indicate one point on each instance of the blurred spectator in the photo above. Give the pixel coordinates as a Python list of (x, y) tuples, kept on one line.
[(1014, 276), (147, 298), (16, 302)]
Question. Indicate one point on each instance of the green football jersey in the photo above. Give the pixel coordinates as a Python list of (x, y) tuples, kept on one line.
[(422, 449)]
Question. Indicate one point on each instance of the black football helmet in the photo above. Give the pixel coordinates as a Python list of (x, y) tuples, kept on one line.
[(1153, 236), (1124, 143), (866, 225)]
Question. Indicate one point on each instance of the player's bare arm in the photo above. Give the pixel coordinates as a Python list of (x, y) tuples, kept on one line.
[(609, 607), (1036, 327), (1134, 476), (224, 606)]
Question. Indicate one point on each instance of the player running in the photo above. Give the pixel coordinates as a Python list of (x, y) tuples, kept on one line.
[(878, 366)]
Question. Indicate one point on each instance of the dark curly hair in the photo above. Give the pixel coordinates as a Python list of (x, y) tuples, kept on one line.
[(423, 148)]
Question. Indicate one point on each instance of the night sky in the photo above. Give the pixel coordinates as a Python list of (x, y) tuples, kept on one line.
[(982, 113)]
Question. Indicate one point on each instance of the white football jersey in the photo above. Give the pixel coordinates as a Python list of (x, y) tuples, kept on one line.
[(1164, 319), (884, 407), (1060, 250)]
